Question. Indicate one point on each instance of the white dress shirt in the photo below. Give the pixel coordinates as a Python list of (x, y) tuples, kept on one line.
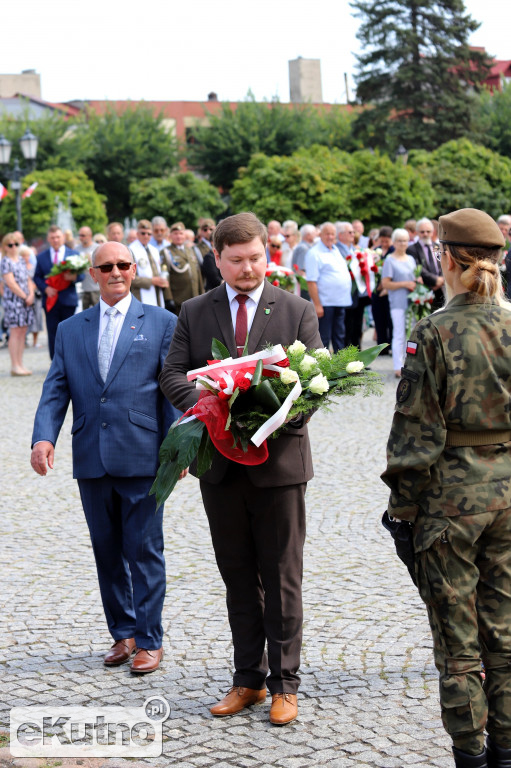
[(251, 304), (147, 295), (118, 319)]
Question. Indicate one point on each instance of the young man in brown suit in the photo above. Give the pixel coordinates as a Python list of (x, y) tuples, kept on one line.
[(256, 514)]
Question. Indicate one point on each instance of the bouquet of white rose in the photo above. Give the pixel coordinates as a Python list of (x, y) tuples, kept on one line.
[(246, 400)]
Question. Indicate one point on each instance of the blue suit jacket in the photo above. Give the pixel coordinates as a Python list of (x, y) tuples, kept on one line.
[(68, 296), (118, 425)]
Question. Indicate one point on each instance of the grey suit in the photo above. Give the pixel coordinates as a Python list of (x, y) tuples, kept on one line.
[(256, 514)]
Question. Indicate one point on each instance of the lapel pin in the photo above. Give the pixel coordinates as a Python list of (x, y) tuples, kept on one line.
[(266, 311), (132, 327)]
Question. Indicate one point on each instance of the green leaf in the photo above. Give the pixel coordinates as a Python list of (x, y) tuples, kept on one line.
[(367, 356), (265, 395), (218, 350), (205, 454), (258, 373), (177, 452)]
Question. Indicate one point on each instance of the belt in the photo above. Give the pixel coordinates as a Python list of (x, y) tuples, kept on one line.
[(484, 437)]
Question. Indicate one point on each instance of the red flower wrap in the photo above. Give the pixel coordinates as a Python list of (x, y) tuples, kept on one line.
[(60, 283), (213, 412)]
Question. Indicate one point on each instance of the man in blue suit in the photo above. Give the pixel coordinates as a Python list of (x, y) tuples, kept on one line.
[(107, 361), (67, 299)]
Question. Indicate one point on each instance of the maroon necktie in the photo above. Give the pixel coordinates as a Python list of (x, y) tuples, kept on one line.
[(241, 323)]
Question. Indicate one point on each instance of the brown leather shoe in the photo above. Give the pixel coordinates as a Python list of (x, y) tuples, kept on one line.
[(284, 708), (146, 661), (237, 699), (120, 652)]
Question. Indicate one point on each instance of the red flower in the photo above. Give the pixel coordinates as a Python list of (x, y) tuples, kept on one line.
[(283, 363), (417, 301), (348, 258), (276, 282), (374, 268), (241, 382)]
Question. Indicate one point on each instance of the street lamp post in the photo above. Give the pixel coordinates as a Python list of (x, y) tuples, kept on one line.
[(402, 154), (28, 144)]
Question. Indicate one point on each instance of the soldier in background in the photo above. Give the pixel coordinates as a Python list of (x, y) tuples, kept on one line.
[(449, 471), (181, 269)]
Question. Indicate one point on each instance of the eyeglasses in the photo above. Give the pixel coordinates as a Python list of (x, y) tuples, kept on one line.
[(437, 251), (274, 245), (122, 265), (286, 236), (13, 245)]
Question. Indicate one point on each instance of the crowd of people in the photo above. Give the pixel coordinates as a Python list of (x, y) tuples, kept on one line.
[(176, 263)]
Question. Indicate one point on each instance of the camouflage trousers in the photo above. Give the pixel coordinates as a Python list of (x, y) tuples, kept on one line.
[(463, 568)]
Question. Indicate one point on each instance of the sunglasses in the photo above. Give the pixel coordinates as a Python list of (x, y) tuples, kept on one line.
[(13, 245), (274, 245), (122, 265)]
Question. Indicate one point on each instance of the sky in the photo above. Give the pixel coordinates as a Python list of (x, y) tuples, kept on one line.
[(182, 50)]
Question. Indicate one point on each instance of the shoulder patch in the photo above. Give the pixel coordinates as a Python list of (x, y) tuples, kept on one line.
[(411, 348), (403, 391)]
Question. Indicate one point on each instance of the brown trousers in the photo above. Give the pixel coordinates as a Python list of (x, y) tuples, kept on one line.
[(258, 536)]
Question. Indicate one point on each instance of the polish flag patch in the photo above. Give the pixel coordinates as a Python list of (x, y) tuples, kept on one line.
[(411, 348), (3, 191)]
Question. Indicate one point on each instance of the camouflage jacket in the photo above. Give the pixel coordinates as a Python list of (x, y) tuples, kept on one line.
[(457, 376)]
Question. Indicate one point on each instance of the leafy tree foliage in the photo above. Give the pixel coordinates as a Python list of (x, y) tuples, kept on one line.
[(320, 184), (416, 69), (122, 148), (57, 147), (233, 136), (182, 197), (465, 175), (495, 116), (39, 210)]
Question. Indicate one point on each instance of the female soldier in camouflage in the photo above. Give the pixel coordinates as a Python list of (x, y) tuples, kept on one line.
[(449, 471)]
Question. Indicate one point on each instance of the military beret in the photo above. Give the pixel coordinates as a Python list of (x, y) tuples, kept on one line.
[(180, 225), (470, 227)]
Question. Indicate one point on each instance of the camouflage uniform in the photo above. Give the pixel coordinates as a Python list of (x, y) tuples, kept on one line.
[(455, 393)]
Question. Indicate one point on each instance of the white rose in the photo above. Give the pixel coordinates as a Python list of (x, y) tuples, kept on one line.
[(319, 384), (354, 367), (323, 352), (307, 363), (288, 376), (296, 346)]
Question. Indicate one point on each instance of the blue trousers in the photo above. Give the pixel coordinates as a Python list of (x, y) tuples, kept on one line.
[(56, 315), (332, 328), (127, 540)]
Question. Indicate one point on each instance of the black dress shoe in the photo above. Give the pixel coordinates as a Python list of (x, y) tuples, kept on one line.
[(464, 760)]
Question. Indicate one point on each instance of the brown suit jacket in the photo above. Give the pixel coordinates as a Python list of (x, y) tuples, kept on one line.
[(208, 316)]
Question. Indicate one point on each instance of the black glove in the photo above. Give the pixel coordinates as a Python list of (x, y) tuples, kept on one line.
[(402, 533)]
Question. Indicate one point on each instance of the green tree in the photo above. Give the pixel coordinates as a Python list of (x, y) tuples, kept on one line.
[(182, 197), (57, 139), (416, 71), (233, 136), (495, 115), (123, 148), (39, 210), (466, 175), (319, 184)]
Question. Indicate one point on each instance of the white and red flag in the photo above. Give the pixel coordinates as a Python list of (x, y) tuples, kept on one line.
[(3, 191), (29, 190)]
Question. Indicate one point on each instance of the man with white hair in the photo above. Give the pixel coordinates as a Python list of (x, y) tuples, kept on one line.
[(160, 229), (422, 252), (329, 284)]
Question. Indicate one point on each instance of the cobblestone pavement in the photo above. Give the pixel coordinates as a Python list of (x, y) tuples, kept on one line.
[(369, 688)]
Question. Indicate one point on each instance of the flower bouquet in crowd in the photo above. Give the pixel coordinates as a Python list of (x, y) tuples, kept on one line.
[(55, 279), (244, 401), (420, 303), (281, 277), (361, 264)]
